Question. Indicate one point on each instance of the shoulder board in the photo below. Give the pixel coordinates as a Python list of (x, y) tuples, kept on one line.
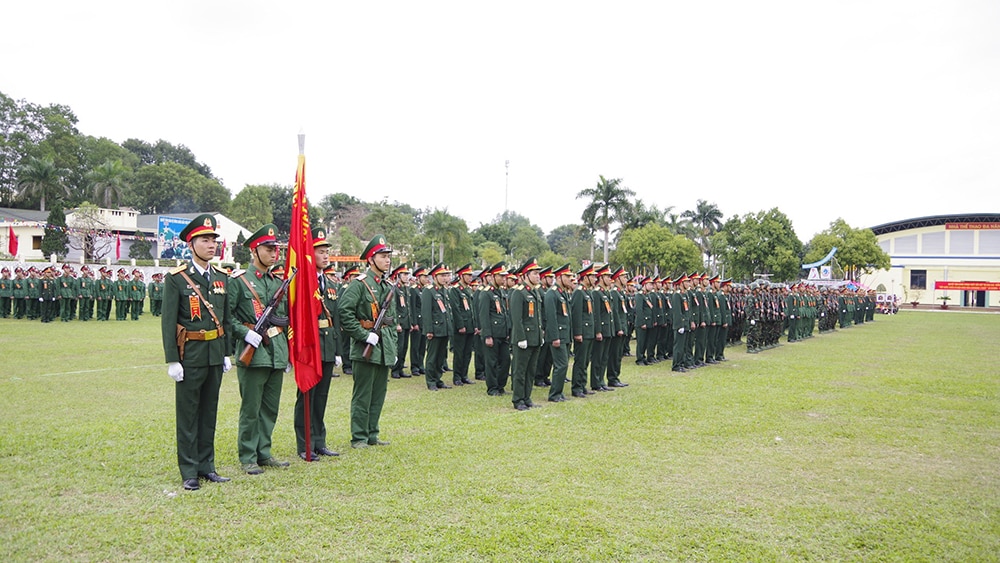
[(237, 273), (220, 270), (178, 269), (360, 277)]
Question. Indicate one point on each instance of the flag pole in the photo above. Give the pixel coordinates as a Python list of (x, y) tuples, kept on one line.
[(308, 394)]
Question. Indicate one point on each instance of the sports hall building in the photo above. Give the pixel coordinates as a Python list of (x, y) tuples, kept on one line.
[(956, 257)]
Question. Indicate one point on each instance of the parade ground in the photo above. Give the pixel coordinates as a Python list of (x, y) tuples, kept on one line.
[(875, 443)]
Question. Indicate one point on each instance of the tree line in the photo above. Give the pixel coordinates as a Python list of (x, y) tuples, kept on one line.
[(45, 158)]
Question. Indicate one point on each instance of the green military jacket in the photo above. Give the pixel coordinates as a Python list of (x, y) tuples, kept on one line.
[(181, 306), (416, 315), (725, 308), (644, 310), (525, 316), (6, 287), (85, 287), (48, 289), (67, 287), (120, 289), (619, 313), (583, 314), (155, 290), (136, 290), (493, 315), (604, 324), (557, 315), (246, 308), (329, 320), (359, 303), (461, 309), (104, 289), (436, 312), (681, 310), (714, 308), (32, 288), (19, 288)]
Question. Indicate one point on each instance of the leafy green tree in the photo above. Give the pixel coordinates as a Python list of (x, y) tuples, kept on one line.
[(706, 219), (174, 188), (637, 214), (55, 239), (858, 251), (251, 208), (450, 235), (654, 248), (61, 145), (391, 221), (527, 243), (40, 179), (108, 182), (162, 152), (347, 243), (141, 247), (241, 253), (489, 252), (759, 243), (609, 200), (573, 241)]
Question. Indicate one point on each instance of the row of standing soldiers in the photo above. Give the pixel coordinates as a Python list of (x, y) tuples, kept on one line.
[(33, 294)]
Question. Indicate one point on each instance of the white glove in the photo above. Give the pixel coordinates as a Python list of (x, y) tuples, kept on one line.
[(372, 339), (288, 368), (227, 364), (752, 322), (680, 330), (253, 339), (40, 299), (792, 317), (523, 344), (338, 361), (176, 371)]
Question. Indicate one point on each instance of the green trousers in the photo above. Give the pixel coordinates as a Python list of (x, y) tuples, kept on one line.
[(260, 390), (581, 359), (522, 370), (497, 365), (599, 362), (196, 402), (370, 382), (560, 363)]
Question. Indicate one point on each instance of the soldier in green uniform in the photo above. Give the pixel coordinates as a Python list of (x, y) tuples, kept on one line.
[(682, 322), (417, 341), (329, 341), (85, 289), (33, 295), (584, 329), (644, 328), (19, 293), (603, 329), (6, 292), (525, 333), (544, 371), (122, 295), (464, 335), (619, 315), (359, 307), (66, 293), (196, 344), (437, 326), (136, 294), (155, 289), (262, 377), (48, 295), (494, 329), (349, 275), (558, 327), (400, 276), (726, 318), (105, 294)]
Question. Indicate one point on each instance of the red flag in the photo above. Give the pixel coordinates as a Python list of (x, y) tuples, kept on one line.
[(303, 307), (118, 247), (11, 242)]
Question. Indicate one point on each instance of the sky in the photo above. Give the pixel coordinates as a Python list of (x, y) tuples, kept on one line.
[(869, 111)]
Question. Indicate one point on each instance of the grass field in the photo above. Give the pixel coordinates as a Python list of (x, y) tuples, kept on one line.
[(876, 443)]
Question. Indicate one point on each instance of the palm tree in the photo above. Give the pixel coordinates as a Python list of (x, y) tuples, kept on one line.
[(608, 203), (108, 182), (707, 220), (445, 229), (41, 177)]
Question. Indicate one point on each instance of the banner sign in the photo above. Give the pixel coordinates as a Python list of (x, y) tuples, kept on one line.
[(345, 259), (168, 242), (967, 285), (972, 226)]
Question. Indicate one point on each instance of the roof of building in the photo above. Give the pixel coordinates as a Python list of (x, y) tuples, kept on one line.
[(10, 215), (934, 221)]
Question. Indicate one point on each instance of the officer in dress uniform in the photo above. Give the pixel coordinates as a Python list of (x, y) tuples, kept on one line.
[(437, 325), (360, 304), (196, 344), (584, 331), (494, 329), (400, 276), (85, 289), (464, 335), (329, 341), (525, 333), (558, 328), (262, 377)]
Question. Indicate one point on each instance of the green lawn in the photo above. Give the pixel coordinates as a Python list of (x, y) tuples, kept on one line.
[(876, 443)]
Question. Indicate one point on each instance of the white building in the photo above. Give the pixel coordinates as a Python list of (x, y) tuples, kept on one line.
[(953, 256)]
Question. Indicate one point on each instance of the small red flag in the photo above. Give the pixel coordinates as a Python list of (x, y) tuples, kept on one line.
[(11, 242), (303, 307), (118, 247)]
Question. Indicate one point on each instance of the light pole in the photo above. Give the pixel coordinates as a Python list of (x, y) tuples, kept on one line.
[(506, 183)]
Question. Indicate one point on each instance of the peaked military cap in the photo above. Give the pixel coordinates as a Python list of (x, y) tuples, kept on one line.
[(204, 224), (562, 270), (618, 273), (319, 237), (420, 271), (547, 272), (352, 271), (466, 269), (528, 266), (439, 268), (500, 268), (266, 236), (375, 245), (586, 271), (401, 269)]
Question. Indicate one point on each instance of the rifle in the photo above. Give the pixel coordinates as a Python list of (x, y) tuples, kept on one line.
[(380, 320), (266, 319)]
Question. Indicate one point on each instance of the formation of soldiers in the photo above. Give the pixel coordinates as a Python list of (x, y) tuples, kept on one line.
[(45, 294)]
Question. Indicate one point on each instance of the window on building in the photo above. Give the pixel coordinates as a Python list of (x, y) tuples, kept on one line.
[(918, 279)]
